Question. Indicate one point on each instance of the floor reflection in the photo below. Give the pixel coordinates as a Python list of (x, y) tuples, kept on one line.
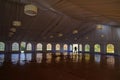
[(87, 57), (48, 66), (58, 54), (57, 59), (2, 57), (65, 53), (48, 57), (110, 61), (28, 57), (39, 57), (97, 58), (75, 58), (15, 58), (80, 57), (22, 58)]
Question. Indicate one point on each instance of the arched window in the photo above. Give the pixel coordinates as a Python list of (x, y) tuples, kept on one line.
[(2, 46), (71, 48), (22, 46), (29, 47), (65, 47), (97, 48), (39, 47), (49, 47), (110, 48), (15, 46), (87, 48), (80, 47), (57, 46)]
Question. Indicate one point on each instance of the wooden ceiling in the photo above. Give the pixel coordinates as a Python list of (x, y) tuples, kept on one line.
[(56, 17)]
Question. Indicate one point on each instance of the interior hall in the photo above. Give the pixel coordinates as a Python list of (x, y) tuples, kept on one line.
[(60, 40)]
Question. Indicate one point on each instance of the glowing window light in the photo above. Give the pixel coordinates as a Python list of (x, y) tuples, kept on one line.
[(49, 47), (29, 47), (22, 46), (30, 10), (57, 46), (65, 47), (110, 48), (87, 48), (15, 46), (97, 48), (22, 51), (39, 47), (2, 46), (80, 47)]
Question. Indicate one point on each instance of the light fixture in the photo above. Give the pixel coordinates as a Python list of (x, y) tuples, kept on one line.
[(60, 35), (13, 29), (75, 31), (51, 36), (99, 27), (102, 36), (30, 10), (16, 23), (86, 37), (10, 34)]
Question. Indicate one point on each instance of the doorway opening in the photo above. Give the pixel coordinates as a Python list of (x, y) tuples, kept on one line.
[(75, 48)]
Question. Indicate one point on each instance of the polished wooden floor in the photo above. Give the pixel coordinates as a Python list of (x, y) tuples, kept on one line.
[(65, 67)]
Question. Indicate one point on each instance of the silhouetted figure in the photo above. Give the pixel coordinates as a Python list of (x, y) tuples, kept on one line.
[(75, 49)]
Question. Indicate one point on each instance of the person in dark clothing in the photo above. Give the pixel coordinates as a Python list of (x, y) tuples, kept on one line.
[(75, 49)]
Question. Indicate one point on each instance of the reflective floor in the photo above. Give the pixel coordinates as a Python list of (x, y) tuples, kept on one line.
[(49, 66)]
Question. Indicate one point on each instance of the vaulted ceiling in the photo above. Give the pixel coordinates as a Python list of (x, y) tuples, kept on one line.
[(56, 17)]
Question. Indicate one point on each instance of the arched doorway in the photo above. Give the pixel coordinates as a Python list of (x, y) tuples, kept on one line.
[(65, 47), (49, 47), (15, 46), (110, 48), (87, 48), (39, 47), (97, 48), (80, 47), (75, 48), (2, 46), (22, 46), (29, 47), (57, 47)]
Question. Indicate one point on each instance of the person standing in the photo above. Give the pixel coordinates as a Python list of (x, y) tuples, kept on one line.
[(75, 49)]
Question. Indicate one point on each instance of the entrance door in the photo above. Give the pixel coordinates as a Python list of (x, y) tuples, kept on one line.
[(75, 48)]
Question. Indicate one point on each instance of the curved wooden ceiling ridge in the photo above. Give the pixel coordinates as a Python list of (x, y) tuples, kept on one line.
[(55, 17)]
